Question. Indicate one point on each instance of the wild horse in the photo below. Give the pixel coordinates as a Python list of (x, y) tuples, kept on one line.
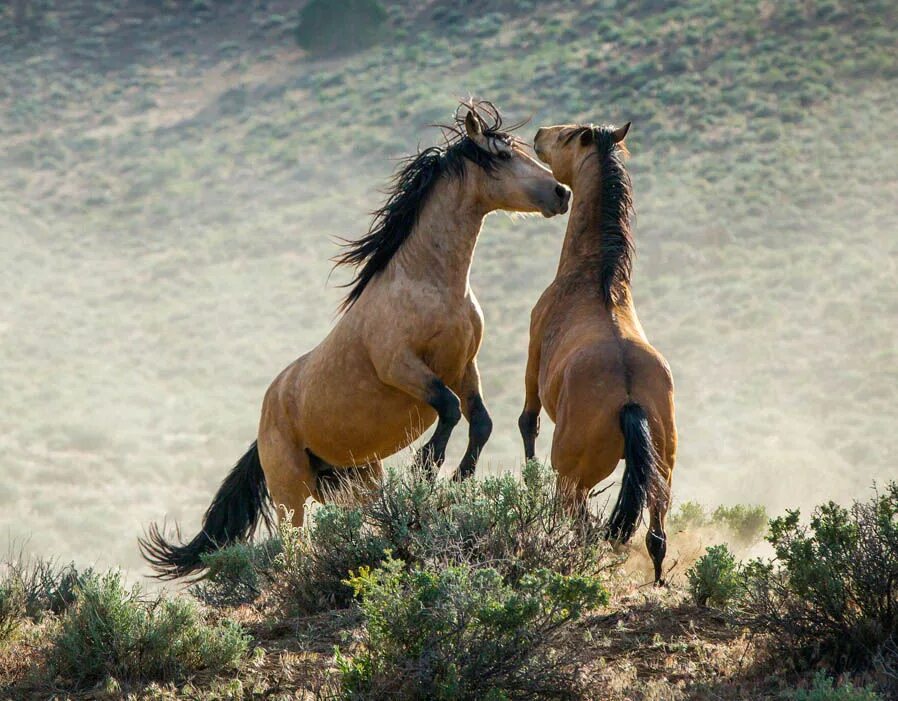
[(590, 365), (404, 352)]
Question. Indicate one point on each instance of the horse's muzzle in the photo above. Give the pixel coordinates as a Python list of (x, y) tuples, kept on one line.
[(561, 203)]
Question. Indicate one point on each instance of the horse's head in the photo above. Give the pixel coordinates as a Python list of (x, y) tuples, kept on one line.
[(510, 178), (565, 147)]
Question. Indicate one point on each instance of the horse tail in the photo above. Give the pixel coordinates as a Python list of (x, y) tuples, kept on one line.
[(640, 472), (241, 502)]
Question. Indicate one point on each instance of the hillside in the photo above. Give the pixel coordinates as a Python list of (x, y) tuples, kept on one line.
[(171, 183)]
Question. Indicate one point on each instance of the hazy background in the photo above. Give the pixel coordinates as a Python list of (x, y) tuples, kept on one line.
[(172, 175)]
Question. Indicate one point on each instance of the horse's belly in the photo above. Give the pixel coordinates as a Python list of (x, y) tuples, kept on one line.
[(350, 428)]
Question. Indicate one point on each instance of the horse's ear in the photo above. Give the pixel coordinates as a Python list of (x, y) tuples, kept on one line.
[(618, 134), (472, 125)]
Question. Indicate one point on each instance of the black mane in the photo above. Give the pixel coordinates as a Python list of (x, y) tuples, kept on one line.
[(614, 262), (394, 221)]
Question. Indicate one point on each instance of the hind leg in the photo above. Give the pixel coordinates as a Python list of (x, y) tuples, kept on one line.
[(288, 474), (659, 503), (582, 460), (656, 537)]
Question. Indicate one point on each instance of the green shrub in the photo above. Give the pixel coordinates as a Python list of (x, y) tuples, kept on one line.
[(31, 588), (236, 574), (339, 27), (747, 523), (715, 579), (464, 633), (314, 562), (691, 514), (823, 689), (111, 631), (515, 525), (831, 593)]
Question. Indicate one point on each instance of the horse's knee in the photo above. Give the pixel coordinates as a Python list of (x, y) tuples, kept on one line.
[(481, 424), (445, 403), (528, 424)]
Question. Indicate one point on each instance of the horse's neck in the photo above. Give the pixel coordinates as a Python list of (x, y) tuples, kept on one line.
[(583, 237), (582, 249), (441, 247)]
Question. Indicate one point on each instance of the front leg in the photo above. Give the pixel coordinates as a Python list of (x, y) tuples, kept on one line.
[(408, 372), (528, 422), (480, 425)]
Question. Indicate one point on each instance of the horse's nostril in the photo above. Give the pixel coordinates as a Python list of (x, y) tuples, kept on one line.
[(561, 191)]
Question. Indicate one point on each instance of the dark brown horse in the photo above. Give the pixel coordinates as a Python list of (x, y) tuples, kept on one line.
[(590, 365)]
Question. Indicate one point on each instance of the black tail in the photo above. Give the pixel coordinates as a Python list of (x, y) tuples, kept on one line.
[(640, 472), (241, 501)]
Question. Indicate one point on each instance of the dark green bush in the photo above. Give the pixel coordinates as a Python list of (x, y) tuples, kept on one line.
[(715, 579), (831, 594), (111, 631), (341, 27), (463, 632)]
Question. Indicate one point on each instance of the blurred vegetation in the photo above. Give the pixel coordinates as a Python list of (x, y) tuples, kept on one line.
[(824, 689), (31, 588), (352, 25), (742, 523)]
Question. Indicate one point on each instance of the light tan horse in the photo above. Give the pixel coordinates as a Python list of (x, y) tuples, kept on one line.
[(609, 392), (404, 352)]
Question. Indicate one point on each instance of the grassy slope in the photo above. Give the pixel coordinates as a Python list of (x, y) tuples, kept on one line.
[(170, 186)]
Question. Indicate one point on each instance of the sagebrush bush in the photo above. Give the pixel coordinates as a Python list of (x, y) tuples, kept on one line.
[(516, 525), (463, 632), (746, 523), (315, 561), (33, 587), (111, 631), (831, 593), (236, 574), (823, 689), (715, 579), (689, 515)]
